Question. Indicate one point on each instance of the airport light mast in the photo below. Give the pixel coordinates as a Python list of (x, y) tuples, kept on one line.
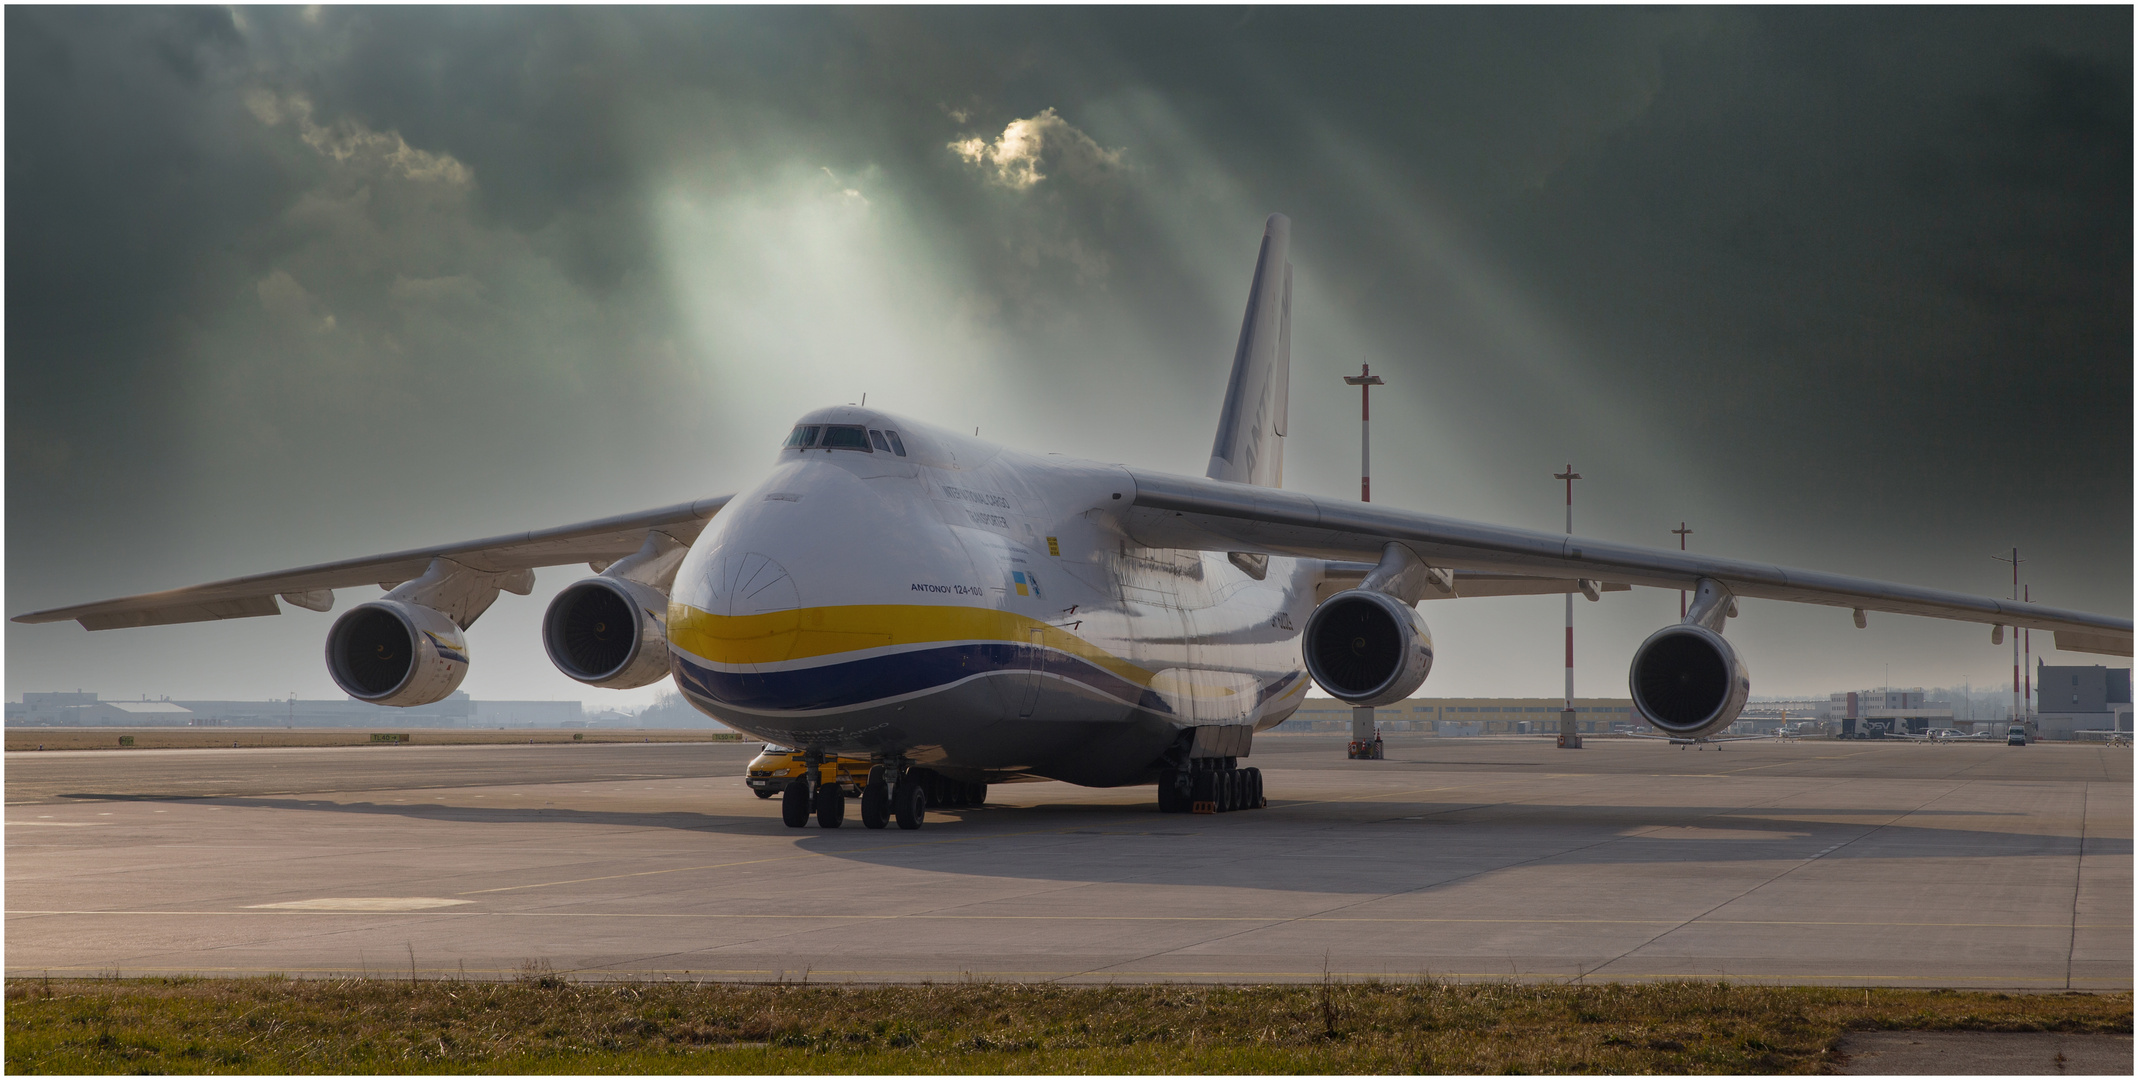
[(2015, 560), (1682, 532), (1365, 380), (1569, 733), (1365, 740)]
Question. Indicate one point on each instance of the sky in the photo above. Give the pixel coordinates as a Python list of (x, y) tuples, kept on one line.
[(1840, 289)]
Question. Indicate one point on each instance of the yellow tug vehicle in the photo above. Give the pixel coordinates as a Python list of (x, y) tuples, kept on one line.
[(775, 770), (777, 766)]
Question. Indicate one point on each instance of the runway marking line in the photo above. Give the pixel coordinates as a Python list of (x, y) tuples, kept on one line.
[(949, 917)]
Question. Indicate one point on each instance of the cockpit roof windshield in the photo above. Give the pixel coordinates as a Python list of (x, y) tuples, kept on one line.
[(846, 437)]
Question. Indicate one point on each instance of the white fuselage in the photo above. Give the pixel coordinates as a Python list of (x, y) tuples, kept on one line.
[(974, 609)]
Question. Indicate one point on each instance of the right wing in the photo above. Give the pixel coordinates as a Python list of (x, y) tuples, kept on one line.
[(597, 543), (1171, 511)]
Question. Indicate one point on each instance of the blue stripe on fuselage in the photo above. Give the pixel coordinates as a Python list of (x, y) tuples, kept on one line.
[(857, 682)]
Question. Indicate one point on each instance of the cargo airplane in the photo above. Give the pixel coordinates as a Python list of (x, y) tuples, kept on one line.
[(955, 612)]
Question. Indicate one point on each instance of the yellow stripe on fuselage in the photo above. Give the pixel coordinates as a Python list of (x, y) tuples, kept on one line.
[(803, 633)]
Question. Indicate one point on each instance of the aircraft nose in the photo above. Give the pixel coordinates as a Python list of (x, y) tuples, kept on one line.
[(749, 583), (747, 615)]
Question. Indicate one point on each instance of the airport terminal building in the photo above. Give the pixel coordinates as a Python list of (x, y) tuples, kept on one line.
[(2070, 700)]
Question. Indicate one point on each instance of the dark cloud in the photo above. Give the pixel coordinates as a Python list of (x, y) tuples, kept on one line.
[(1848, 288)]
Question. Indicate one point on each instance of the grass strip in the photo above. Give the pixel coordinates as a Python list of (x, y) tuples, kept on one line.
[(545, 1024)]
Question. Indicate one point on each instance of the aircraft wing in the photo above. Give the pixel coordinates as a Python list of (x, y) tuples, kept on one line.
[(1213, 515), (598, 542)]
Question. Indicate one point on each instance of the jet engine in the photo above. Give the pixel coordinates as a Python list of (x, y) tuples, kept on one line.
[(1688, 681), (391, 652), (1367, 647), (608, 632)]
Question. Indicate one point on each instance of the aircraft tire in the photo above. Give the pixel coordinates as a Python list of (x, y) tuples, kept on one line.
[(875, 801), (909, 804), (831, 806), (1168, 797), (1258, 801), (794, 804), (1231, 789)]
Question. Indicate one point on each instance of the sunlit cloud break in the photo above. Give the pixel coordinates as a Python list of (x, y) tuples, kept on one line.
[(1025, 145)]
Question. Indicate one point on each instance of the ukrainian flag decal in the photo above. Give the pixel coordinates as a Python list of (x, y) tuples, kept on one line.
[(1027, 584)]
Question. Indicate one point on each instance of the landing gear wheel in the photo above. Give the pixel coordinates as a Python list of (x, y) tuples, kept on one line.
[(794, 804), (831, 806), (1256, 801), (1203, 793), (1232, 790), (909, 804), (1168, 796), (875, 801)]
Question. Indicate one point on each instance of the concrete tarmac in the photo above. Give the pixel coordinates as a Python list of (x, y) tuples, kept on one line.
[(1854, 864)]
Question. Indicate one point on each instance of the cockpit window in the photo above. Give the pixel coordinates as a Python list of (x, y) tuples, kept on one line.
[(897, 447), (876, 437), (804, 435), (843, 437)]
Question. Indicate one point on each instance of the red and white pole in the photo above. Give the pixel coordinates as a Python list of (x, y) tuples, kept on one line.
[(1365, 380)]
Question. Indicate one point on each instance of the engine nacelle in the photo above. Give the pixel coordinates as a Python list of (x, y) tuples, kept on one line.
[(1367, 647), (390, 652), (608, 632), (1688, 681)]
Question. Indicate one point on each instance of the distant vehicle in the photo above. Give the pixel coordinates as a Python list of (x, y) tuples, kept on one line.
[(2016, 736)]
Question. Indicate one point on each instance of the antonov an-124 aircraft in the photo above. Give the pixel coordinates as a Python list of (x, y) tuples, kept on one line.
[(960, 613)]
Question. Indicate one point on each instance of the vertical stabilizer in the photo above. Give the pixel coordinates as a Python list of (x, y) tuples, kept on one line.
[(1250, 430)]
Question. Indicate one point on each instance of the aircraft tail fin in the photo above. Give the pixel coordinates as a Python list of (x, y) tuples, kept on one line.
[(1250, 430)]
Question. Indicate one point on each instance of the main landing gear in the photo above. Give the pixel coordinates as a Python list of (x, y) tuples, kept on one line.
[(1210, 786)]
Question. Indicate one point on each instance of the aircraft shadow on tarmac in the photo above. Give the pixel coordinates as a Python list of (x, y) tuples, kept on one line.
[(1383, 846)]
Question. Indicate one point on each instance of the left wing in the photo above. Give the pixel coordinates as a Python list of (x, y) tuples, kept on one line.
[(1212, 515), (508, 560)]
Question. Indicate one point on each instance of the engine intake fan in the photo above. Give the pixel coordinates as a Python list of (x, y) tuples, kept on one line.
[(608, 632), (1686, 680), (1367, 647), (390, 652)]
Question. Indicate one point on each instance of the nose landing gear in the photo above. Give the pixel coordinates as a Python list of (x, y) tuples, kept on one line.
[(876, 800), (794, 803), (831, 806)]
